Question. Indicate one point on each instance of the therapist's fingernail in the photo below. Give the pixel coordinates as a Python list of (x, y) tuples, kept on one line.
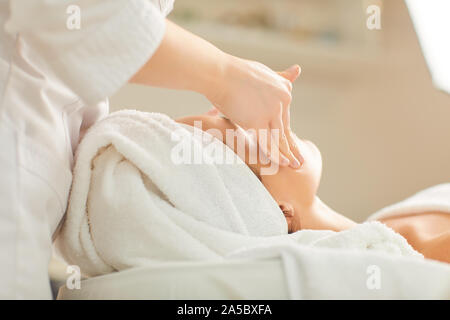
[(301, 159), (284, 162), (295, 164)]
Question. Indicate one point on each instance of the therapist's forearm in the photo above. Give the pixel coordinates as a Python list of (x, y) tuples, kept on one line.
[(184, 61)]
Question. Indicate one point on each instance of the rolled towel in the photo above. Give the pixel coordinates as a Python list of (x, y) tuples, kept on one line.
[(434, 199), (131, 205)]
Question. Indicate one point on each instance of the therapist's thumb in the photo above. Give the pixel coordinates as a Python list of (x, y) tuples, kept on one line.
[(291, 73)]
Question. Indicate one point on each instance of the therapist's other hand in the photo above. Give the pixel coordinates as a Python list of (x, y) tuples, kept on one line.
[(255, 97)]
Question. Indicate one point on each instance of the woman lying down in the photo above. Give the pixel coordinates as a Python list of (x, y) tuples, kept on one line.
[(295, 192), (133, 204)]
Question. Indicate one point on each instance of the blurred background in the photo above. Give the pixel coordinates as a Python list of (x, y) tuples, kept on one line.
[(365, 97)]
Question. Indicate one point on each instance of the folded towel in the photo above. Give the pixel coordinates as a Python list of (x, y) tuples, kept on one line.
[(131, 204), (434, 199)]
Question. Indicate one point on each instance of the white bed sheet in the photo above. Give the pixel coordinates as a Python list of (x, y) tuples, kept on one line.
[(191, 280), (262, 279)]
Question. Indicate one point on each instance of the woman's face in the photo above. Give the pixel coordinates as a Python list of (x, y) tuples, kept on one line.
[(295, 189)]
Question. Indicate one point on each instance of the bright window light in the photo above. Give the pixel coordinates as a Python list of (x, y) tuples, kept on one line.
[(432, 23)]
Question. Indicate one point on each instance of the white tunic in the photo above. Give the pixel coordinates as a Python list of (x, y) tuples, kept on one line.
[(54, 81)]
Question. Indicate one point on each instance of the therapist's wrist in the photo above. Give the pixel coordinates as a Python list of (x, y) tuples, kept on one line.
[(215, 87)]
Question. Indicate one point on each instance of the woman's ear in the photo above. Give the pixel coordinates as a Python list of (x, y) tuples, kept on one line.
[(287, 208)]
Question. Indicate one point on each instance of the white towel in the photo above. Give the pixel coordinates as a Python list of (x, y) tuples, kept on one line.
[(434, 199), (324, 273), (131, 205)]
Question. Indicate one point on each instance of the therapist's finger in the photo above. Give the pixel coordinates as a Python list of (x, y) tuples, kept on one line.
[(291, 73), (264, 144), (282, 143), (293, 145), (270, 148)]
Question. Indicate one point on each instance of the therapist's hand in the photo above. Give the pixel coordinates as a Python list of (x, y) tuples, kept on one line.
[(247, 92), (255, 97)]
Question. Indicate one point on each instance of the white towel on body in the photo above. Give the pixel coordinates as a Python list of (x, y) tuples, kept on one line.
[(132, 205), (434, 199)]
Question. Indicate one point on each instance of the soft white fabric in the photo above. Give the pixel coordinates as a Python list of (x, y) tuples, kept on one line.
[(323, 273), (232, 279), (132, 205), (434, 199), (53, 82), (114, 40), (371, 236)]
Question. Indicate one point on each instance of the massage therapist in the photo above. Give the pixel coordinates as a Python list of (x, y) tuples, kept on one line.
[(54, 83)]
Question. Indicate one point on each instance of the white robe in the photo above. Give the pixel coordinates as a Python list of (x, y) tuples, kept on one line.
[(54, 82)]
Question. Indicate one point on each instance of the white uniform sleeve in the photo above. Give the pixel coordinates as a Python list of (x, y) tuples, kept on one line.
[(114, 39)]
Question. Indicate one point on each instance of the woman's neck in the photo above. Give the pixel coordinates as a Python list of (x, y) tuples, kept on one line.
[(319, 216)]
